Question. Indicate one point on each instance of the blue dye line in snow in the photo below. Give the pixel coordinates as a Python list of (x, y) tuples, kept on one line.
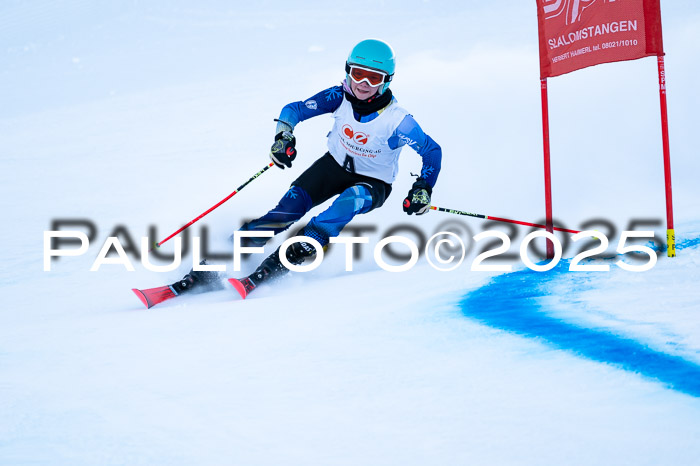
[(510, 302), (688, 243)]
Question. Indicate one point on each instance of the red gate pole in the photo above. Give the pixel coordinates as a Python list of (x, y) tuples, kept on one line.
[(670, 232), (547, 170)]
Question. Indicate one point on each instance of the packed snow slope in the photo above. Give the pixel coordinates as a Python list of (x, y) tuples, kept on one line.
[(136, 118)]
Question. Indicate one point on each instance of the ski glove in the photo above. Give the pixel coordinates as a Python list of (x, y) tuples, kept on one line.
[(418, 199), (282, 151)]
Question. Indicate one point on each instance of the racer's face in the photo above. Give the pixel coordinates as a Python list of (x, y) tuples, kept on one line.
[(363, 91)]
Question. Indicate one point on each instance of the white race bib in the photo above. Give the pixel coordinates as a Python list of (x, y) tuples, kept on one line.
[(363, 148)]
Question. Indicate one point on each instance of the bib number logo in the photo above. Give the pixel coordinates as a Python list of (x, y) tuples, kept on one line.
[(358, 138)]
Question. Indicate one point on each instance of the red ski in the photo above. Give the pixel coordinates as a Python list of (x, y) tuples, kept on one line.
[(194, 282), (244, 285), (152, 296)]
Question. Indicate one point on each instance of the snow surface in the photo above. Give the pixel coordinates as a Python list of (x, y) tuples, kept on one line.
[(146, 114)]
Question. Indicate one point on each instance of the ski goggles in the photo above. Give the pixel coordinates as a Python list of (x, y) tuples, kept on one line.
[(373, 77)]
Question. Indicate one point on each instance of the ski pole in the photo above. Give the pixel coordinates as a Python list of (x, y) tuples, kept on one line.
[(499, 219), (267, 167)]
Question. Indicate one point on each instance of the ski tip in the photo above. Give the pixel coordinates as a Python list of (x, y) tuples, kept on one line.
[(142, 297), (238, 285), (152, 296)]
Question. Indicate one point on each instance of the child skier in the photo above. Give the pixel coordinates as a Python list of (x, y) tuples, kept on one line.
[(364, 144)]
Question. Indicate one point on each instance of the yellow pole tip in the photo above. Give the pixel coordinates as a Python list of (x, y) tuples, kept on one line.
[(671, 242)]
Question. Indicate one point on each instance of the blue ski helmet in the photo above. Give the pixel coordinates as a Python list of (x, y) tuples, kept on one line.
[(374, 54)]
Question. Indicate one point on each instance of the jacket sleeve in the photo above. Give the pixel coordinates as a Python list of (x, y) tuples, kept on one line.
[(411, 134), (326, 101)]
